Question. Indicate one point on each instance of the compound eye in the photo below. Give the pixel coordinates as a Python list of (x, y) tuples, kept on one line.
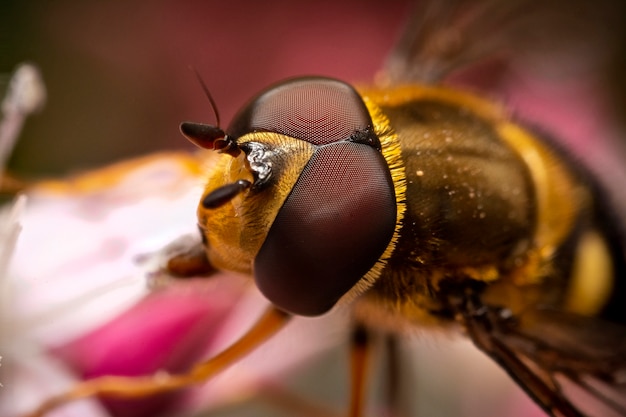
[(331, 230), (317, 110)]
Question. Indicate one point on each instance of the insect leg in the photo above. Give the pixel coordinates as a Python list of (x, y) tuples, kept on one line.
[(392, 365), (359, 360), (128, 387)]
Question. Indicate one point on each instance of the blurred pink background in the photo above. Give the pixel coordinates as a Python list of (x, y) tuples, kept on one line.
[(118, 75), (119, 83)]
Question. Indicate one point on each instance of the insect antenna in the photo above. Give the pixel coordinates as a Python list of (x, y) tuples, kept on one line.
[(208, 136), (208, 95), (224, 194)]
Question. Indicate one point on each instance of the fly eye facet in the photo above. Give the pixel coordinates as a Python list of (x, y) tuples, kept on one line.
[(331, 230), (314, 109)]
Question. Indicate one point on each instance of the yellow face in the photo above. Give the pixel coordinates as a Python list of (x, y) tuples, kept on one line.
[(236, 230)]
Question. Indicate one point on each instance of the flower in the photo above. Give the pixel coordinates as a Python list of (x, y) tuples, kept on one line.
[(91, 298)]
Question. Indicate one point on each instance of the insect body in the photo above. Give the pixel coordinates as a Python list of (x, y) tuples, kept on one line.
[(422, 206), (413, 207)]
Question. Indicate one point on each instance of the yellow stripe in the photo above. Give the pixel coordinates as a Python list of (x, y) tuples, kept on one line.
[(485, 109), (593, 276), (558, 201)]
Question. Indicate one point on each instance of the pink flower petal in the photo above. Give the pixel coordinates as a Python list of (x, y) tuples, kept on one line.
[(168, 330)]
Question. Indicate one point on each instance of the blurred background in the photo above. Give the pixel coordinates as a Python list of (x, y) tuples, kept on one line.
[(119, 83), (117, 72)]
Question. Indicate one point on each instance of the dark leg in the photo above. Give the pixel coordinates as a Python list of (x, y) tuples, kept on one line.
[(393, 370), (359, 355)]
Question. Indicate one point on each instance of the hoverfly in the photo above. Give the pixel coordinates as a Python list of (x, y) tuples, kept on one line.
[(415, 205)]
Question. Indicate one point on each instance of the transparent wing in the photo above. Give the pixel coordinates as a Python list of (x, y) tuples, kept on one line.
[(559, 65), (446, 36), (586, 357), (570, 364)]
